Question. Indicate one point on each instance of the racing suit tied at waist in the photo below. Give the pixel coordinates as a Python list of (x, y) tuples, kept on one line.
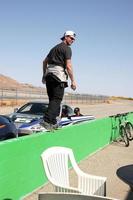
[(58, 71)]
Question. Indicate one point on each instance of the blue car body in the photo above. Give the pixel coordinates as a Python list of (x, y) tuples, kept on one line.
[(7, 128), (35, 125)]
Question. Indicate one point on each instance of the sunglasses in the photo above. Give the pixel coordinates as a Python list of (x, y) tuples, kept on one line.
[(71, 38)]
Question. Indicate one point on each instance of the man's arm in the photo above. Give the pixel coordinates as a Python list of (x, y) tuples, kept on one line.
[(45, 62), (70, 74)]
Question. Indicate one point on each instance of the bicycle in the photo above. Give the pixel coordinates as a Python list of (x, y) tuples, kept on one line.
[(128, 127), (120, 126)]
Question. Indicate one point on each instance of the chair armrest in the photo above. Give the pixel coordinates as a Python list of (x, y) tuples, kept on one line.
[(92, 185)]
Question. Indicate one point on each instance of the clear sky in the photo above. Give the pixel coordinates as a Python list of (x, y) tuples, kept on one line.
[(102, 53)]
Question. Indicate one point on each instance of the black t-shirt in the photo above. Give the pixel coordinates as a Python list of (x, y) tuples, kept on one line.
[(59, 54)]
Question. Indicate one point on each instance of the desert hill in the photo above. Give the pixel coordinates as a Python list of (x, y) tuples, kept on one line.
[(9, 83)]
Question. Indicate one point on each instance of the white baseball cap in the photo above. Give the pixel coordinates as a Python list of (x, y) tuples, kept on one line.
[(69, 33)]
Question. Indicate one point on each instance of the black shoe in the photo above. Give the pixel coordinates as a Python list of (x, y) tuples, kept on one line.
[(46, 125), (55, 126)]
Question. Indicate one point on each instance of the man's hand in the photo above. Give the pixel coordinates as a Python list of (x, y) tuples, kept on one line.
[(70, 74), (73, 85), (43, 79), (45, 62)]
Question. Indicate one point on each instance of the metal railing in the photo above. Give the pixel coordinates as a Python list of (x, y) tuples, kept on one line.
[(15, 95)]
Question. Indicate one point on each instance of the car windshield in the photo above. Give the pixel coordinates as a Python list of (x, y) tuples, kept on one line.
[(33, 108), (67, 111)]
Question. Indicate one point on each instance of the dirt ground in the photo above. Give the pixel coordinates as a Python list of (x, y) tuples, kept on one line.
[(98, 110), (106, 109), (103, 163)]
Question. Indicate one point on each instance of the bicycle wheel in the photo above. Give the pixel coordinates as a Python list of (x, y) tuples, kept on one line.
[(129, 130), (123, 135)]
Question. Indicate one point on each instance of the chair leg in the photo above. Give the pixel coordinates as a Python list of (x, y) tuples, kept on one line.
[(105, 189)]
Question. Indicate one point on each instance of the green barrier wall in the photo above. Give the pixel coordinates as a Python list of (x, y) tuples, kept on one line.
[(21, 169)]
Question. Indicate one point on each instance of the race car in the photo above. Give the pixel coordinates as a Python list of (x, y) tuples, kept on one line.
[(29, 116), (35, 125), (36, 110)]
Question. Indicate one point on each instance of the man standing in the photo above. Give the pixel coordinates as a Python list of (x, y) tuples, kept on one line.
[(57, 67)]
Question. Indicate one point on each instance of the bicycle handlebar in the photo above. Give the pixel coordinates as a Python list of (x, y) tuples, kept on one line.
[(119, 115)]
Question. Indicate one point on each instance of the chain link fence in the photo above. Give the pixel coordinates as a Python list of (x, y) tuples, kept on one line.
[(15, 96)]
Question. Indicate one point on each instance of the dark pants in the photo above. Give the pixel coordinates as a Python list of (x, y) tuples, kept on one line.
[(55, 91)]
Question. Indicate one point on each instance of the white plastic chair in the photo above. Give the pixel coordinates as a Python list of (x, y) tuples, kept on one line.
[(55, 161)]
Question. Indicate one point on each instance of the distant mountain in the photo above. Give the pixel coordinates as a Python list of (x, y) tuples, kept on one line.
[(9, 83)]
